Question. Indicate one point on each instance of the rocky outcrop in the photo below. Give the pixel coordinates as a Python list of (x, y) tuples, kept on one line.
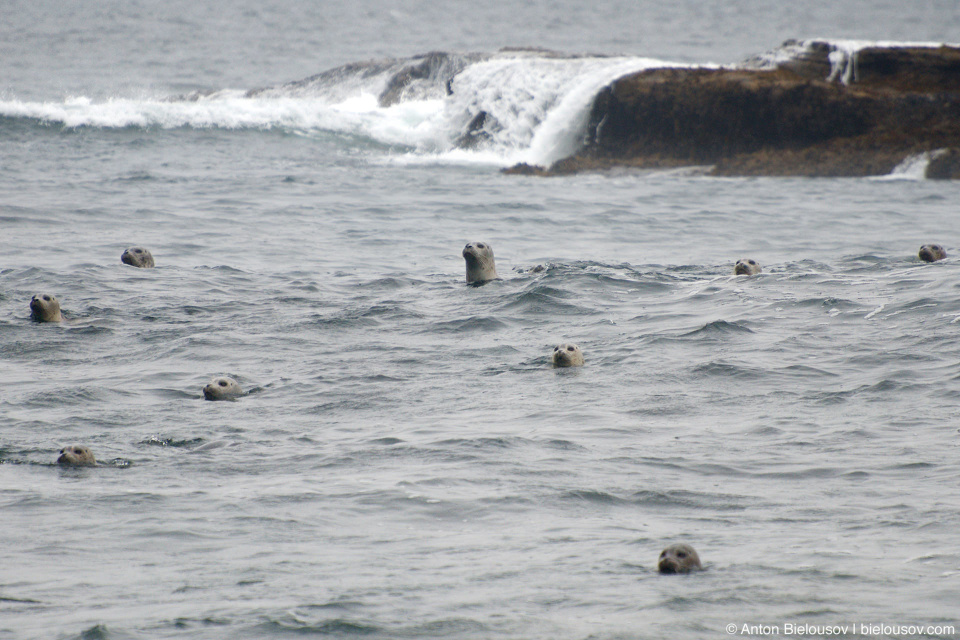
[(944, 165), (423, 74), (814, 109), (422, 77), (905, 68)]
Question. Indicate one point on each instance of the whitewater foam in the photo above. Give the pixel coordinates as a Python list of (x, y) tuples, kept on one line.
[(913, 167), (534, 104), (842, 54), (534, 108)]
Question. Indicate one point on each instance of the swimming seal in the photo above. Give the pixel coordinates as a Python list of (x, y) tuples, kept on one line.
[(480, 264), (137, 257), (932, 253), (76, 456), (567, 355), (746, 267), (222, 388), (45, 308), (678, 558)]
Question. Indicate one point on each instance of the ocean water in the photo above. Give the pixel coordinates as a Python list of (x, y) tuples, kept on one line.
[(405, 462)]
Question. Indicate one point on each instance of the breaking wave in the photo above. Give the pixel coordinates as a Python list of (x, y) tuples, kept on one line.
[(512, 106)]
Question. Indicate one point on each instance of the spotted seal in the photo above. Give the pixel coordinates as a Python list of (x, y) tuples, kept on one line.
[(567, 355), (45, 308), (932, 253), (480, 264), (746, 267), (76, 456), (679, 558), (137, 257), (222, 388)]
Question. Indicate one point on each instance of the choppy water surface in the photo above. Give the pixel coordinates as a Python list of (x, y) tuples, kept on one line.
[(406, 463)]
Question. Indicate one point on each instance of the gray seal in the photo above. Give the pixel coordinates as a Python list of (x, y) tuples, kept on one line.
[(137, 257), (480, 264), (222, 388), (932, 253), (76, 456), (746, 267), (567, 355), (678, 558), (45, 308)]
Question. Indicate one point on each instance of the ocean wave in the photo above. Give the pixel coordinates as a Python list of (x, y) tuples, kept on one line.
[(512, 106)]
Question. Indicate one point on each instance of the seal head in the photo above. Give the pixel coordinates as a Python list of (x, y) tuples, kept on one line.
[(480, 264), (678, 558), (746, 267), (76, 456), (137, 257), (567, 355), (932, 253), (222, 388), (45, 308)]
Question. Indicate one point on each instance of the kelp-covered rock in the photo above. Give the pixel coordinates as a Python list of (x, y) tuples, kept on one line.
[(812, 109), (905, 67), (944, 164)]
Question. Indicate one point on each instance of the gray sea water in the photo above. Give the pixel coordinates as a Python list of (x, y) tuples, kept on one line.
[(405, 462)]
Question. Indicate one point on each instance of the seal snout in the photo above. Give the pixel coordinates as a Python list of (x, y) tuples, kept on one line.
[(76, 456), (138, 257), (746, 267), (480, 263), (678, 558), (222, 388), (45, 308), (567, 355), (932, 253)]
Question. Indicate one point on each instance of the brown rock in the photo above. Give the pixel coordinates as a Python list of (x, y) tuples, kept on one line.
[(793, 119), (944, 165)]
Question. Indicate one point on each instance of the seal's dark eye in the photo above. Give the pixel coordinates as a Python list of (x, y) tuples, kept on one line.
[(479, 245), (571, 348), (556, 348), (663, 554), (681, 554), (752, 261), (47, 298), (223, 383)]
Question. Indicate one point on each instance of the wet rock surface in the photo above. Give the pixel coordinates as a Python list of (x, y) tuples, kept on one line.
[(814, 109)]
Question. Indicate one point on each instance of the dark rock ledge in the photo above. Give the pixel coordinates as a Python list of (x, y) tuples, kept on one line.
[(819, 111)]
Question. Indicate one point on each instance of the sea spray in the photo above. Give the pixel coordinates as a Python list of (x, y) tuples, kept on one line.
[(533, 104)]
